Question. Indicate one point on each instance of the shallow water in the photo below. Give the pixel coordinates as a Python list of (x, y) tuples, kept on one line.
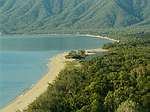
[(23, 59)]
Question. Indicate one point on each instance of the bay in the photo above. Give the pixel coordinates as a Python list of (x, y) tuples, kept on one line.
[(24, 59)]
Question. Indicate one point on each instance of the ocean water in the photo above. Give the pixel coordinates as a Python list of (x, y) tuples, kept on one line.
[(24, 59)]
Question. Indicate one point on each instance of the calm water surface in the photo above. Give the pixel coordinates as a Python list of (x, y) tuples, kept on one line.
[(23, 59)]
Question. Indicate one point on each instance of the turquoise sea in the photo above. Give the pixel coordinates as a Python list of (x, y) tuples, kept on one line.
[(24, 58)]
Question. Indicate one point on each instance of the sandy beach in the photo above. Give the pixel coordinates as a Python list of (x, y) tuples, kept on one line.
[(55, 65), (98, 36)]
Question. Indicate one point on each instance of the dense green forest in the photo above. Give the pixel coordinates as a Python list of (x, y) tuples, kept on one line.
[(116, 82)]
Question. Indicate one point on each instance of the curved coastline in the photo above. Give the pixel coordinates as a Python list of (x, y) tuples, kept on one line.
[(21, 102), (67, 34)]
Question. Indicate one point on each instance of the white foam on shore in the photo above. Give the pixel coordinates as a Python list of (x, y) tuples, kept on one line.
[(89, 35)]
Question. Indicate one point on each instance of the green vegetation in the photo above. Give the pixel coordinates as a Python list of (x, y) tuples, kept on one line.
[(61, 16), (81, 54), (116, 82)]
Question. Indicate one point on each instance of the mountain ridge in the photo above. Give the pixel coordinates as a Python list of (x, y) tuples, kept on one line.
[(32, 15)]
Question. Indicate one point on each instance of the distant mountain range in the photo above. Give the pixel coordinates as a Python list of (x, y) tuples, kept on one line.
[(45, 15)]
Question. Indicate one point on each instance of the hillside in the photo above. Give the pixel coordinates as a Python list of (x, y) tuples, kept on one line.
[(45, 15)]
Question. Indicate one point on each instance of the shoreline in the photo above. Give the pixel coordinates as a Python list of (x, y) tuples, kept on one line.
[(67, 34), (102, 37), (22, 101)]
